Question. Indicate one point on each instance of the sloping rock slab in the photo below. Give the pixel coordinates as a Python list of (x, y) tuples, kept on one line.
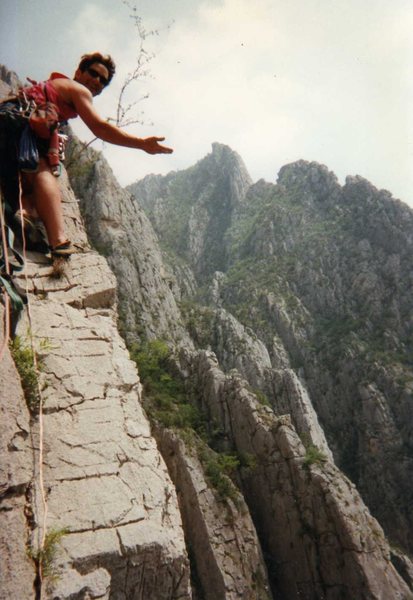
[(16, 469), (104, 479)]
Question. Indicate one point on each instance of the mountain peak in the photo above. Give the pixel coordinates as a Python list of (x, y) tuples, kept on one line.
[(227, 158), (311, 178), (220, 150)]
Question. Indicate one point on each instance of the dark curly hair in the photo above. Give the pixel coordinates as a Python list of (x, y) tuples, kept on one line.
[(96, 57)]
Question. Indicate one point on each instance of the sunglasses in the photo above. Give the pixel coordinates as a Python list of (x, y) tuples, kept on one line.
[(97, 75)]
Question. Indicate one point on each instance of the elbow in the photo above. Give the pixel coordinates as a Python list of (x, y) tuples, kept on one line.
[(99, 128), (98, 132)]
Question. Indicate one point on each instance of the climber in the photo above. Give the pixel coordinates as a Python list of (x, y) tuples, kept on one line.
[(73, 97)]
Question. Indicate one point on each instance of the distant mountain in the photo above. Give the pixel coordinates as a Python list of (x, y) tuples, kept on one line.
[(322, 276)]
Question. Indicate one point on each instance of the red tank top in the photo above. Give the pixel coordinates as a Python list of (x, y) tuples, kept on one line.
[(36, 93)]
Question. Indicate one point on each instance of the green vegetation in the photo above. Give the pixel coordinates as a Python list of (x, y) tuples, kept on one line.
[(199, 321), (172, 223), (220, 469), (80, 162), (261, 397), (25, 360), (339, 327), (247, 461), (165, 398), (335, 335), (166, 403), (314, 455), (81, 168), (45, 557)]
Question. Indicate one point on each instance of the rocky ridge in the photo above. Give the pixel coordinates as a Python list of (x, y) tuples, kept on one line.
[(106, 485), (107, 492), (120, 231), (320, 275)]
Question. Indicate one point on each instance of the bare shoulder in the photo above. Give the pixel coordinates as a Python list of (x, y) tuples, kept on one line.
[(71, 90)]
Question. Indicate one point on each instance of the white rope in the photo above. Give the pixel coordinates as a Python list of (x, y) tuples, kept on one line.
[(42, 528)]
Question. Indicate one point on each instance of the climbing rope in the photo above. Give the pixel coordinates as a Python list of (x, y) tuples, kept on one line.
[(13, 300), (42, 529), (10, 262)]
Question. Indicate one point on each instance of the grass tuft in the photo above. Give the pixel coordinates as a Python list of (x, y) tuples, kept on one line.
[(24, 359), (314, 455), (45, 557)]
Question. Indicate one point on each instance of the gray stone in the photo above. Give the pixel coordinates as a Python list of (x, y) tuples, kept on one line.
[(104, 480), (16, 469), (219, 530), (313, 520)]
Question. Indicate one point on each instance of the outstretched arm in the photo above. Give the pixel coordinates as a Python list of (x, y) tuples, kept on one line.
[(82, 101)]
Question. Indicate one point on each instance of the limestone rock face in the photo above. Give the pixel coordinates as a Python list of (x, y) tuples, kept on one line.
[(120, 230), (238, 347), (104, 481), (219, 530), (9, 81), (321, 539), (193, 208), (315, 181), (16, 470)]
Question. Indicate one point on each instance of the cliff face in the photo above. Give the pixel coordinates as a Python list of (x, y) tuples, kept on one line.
[(120, 231), (104, 482), (232, 491), (318, 536)]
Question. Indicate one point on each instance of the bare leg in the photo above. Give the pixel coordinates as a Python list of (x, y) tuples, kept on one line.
[(46, 199)]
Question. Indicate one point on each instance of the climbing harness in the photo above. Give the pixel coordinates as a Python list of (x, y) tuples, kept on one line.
[(35, 123)]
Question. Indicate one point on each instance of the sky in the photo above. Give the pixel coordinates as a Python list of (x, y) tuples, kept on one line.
[(329, 81)]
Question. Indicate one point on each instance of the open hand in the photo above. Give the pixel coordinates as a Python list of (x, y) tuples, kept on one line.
[(151, 146)]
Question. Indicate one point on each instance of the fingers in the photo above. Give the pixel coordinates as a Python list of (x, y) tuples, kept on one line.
[(152, 146), (165, 150), (160, 150)]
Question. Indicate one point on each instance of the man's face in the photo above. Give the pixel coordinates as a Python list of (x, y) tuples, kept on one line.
[(95, 77)]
